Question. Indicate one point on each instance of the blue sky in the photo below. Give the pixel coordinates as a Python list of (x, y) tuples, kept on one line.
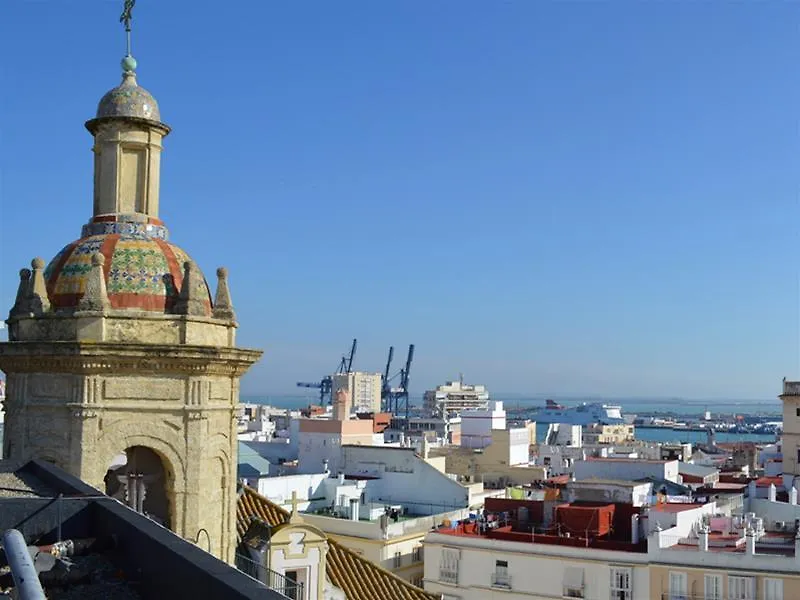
[(550, 197)]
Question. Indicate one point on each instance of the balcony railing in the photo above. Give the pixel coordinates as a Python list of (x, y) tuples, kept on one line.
[(502, 580), (272, 579), (672, 596), (448, 575), (791, 388)]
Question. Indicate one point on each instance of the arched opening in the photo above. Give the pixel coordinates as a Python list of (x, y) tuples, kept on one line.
[(139, 478)]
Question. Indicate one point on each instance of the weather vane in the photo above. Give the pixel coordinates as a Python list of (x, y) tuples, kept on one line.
[(126, 17)]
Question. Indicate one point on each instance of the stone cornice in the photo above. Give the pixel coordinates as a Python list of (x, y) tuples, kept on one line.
[(121, 358)]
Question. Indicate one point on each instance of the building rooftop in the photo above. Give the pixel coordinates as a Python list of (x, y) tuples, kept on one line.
[(674, 507), (113, 552), (359, 578), (581, 524)]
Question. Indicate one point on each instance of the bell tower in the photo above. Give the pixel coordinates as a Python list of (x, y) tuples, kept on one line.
[(121, 367)]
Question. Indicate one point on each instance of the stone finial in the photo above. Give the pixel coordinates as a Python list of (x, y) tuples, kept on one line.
[(223, 307), (37, 302), (95, 296), (23, 291), (191, 300)]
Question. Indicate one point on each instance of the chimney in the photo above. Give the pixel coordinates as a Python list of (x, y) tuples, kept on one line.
[(341, 478), (634, 529), (354, 509), (750, 541), (325, 468), (793, 495), (702, 539), (772, 492), (751, 489)]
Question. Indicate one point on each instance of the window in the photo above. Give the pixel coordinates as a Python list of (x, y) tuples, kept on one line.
[(448, 567), (677, 585), (398, 560), (773, 589), (621, 588), (797, 411), (573, 583), (416, 555), (741, 588), (417, 581), (501, 578), (713, 587)]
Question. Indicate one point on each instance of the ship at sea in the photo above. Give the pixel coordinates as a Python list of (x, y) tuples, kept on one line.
[(582, 414)]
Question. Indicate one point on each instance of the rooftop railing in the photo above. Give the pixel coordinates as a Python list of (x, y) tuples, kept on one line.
[(271, 579), (791, 388)]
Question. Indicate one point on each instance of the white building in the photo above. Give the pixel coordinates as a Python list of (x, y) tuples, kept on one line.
[(455, 396), (625, 468), (477, 425)]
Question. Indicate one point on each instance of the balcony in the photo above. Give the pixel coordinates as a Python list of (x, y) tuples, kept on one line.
[(791, 388), (669, 596), (501, 580), (269, 578), (448, 575)]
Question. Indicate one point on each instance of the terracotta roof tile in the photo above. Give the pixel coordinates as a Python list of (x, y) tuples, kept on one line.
[(359, 578)]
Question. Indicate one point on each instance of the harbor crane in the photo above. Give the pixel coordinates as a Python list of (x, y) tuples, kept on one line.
[(325, 386), (395, 399)]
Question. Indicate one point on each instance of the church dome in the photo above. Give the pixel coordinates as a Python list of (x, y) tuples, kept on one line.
[(141, 272), (128, 99)]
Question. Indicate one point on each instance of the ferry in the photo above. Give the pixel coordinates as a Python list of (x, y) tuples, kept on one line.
[(583, 414)]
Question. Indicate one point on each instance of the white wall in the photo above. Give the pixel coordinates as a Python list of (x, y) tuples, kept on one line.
[(518, 446), (279, 489), (535, 570), (404, 478), (626, 470), (314, 448), (477, 425)]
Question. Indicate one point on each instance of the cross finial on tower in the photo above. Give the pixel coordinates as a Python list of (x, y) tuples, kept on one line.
[(125, 18), (294, 503)]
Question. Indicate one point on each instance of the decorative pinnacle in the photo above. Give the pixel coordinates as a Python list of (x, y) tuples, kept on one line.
[(37, 301), (21, 304), (95, 296), (223, 307), (191, 300)]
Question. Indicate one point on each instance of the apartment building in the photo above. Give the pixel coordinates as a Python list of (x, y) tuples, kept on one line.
[(617, 551)]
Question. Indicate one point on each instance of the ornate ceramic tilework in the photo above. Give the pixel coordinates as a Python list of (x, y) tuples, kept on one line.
[(71, 278), (139, 230), (137, 266), (128, 100), (142, 273)]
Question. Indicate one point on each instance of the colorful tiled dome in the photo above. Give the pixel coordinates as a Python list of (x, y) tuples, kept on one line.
[(142, 273)]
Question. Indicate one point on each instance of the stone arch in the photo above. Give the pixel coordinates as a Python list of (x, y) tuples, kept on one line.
[(165, 442), (222, 478), (140, 480)]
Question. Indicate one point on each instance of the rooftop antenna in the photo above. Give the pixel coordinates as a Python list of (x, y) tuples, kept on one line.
[(125, 18)]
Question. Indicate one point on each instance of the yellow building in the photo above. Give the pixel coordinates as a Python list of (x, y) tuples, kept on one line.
[(608, 434)]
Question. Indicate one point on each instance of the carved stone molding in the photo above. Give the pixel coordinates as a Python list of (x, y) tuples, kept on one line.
[(84, 413), (81, 358)]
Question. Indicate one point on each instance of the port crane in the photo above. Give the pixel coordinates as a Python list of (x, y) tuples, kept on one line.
[(395, 399), (325, 386)]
